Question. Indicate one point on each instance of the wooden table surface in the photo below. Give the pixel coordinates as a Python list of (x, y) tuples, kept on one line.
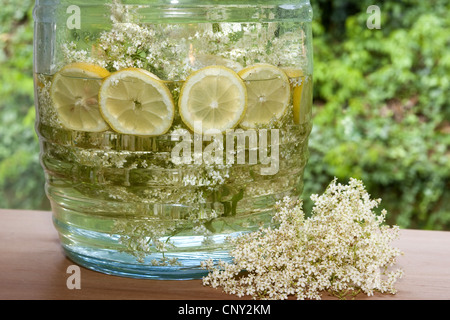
[(33, 267)]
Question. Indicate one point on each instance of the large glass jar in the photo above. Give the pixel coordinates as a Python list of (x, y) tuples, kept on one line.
[(167, 126)]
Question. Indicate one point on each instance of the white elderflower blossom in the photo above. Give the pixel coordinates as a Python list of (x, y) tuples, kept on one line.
[(173, 51), (343, 248)]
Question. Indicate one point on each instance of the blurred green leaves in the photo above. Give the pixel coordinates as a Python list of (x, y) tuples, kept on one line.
[(21, 177), (382, 107)]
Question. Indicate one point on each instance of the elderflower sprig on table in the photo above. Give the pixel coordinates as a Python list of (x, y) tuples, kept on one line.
[(343, 248)]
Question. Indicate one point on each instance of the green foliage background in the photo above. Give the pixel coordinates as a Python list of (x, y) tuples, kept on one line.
[(381, 111), (21, 177)]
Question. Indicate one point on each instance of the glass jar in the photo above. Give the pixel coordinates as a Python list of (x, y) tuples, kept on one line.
[(168, 126)]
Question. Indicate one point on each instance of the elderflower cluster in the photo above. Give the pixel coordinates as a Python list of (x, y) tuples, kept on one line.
[(144, 237), (173, 51), (343, 248)]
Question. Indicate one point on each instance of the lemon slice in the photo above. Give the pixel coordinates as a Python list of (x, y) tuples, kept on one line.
[(297, 83), (213, 98), (134, 101), (74, 93), (302, 95), (268, 92), (303, 101)]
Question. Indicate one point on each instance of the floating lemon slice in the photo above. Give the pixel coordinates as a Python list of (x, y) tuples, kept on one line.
[(213, 98), (134, 101), (268, 92), (306, 101), (74, 92), (301, 95)]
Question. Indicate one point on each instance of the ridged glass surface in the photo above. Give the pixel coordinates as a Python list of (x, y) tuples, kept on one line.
[(121, 204)]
